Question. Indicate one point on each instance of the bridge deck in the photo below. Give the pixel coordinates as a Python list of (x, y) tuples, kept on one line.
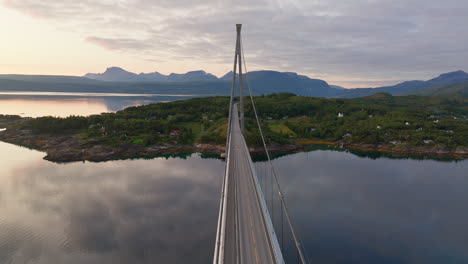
[(247, 236)]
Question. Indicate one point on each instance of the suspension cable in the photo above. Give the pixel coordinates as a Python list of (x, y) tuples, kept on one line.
[(280, 193)]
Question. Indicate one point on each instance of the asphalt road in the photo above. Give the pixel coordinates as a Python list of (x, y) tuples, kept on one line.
[(246, 232)]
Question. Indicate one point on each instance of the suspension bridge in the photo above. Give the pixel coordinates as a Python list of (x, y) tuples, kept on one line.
[(246, 231)]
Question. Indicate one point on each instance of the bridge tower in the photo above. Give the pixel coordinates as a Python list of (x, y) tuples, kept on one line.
[(246, 230), (238, 63)]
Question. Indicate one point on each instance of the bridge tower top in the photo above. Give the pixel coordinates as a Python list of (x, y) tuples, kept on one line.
[(238, 64)]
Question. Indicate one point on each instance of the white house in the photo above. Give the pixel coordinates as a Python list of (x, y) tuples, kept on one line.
[(340, 114), (407, 123), (347, 135)]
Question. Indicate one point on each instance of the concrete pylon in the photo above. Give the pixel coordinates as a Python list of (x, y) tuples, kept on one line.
[(238, 63)]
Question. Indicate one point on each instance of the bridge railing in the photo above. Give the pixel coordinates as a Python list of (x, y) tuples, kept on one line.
[(221, 230), (265, 213)]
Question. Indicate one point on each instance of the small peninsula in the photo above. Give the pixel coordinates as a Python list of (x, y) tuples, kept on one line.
[(393, 124)]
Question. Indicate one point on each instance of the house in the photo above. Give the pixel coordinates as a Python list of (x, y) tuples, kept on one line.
[(285, 117), (436, 121), (340, 115), (312, 129), (428, 141), (407, 123), (419, 129), (395, 142), (347, 135), (174, 132), (379, 127), (269, 118)]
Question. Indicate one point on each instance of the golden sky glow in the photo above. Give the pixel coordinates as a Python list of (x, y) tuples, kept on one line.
[(35, 46)]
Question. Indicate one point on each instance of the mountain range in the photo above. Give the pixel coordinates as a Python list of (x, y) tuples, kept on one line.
[(201, 83), (262, 82), (408, 87), (116, 74)]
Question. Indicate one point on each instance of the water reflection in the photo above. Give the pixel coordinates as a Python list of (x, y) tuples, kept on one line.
[(358, 210), (360, 153), (44, 107), (62, 106), (347, 209), (140, 211)]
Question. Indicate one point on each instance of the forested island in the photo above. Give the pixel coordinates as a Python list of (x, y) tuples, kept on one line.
[(381, 122)]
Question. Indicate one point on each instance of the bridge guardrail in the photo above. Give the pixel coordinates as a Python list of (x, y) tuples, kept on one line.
[(266, 215)]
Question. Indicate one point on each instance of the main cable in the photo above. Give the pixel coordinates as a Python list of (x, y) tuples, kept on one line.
[(280, 193)]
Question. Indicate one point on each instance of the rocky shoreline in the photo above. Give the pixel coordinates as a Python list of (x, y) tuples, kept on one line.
[(71, 148), (438, 151)]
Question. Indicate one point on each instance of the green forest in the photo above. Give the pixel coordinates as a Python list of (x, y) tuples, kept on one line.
[(285, 118)]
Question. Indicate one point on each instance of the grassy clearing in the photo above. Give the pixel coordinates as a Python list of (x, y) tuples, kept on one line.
[(281, 129)]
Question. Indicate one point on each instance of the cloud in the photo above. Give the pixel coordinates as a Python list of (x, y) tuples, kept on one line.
[(384, 40), (119, 44)]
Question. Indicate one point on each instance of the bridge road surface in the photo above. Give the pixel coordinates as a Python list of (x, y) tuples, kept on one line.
[(245, 217)]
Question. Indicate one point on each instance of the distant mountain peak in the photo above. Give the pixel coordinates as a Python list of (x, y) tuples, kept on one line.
[(227, 76), (459, 72), (115, 74), (155, 72), (449, 77), (114, 68)]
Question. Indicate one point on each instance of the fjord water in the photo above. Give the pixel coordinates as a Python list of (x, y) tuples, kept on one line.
[(128, 211), (35, 104), (347, 208)]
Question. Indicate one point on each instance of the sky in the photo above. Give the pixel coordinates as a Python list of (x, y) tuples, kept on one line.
[(358, 43)]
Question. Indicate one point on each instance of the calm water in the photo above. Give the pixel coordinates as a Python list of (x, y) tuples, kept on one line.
[(36, 104), (131, 211), (347, 208)]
